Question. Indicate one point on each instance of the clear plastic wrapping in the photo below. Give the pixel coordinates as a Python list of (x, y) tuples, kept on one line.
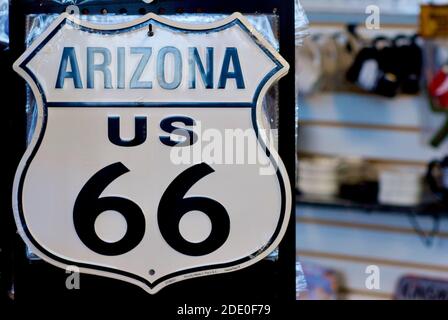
[(300, 23), (4, 23), (301, 32)]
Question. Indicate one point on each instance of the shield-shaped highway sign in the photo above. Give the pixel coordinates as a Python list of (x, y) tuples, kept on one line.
[(134, 170)]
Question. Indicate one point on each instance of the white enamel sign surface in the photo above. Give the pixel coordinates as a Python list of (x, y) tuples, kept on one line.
[(107, 185)]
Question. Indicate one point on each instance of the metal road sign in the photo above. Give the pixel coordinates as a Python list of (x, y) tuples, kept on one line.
[(126, 176)]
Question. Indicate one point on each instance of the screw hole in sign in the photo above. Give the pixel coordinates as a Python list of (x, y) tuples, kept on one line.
[(72, 10), (150, 32)]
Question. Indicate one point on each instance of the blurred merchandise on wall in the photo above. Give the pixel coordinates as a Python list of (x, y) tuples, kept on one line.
[(322, 283), (372, 180), (418, 288), (343, 60)]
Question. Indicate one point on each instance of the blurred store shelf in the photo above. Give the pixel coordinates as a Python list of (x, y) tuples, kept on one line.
[(428, 208), (395, 12)]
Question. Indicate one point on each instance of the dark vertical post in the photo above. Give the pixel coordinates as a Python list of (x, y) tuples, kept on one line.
[(16, 115), (287, 254)]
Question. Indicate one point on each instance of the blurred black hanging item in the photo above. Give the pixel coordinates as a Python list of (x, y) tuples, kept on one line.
[(365, 69), (375, 68), (388, 57), (437, 178), (410, 60)]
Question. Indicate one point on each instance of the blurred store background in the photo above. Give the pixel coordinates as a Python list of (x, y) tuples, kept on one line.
[(372, 178)]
